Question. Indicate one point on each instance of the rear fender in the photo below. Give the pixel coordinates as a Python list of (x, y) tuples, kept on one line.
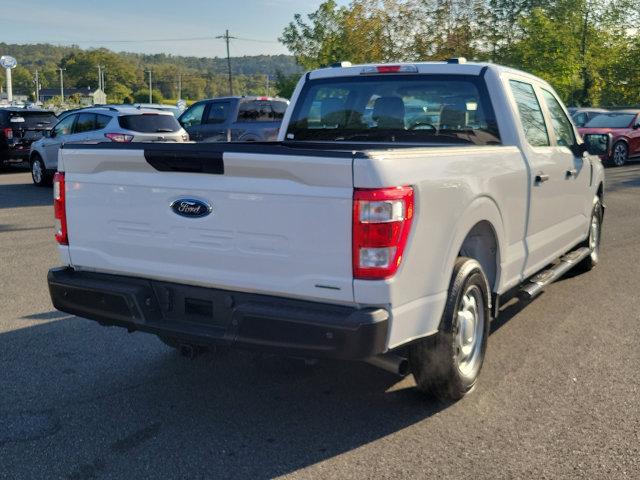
[(482, 209)]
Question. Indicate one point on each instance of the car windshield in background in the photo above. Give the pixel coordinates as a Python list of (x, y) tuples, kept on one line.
[(398, 108), (611, 120), (149, 123)]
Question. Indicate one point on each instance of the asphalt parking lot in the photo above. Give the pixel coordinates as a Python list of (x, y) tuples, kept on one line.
[(558, 396)]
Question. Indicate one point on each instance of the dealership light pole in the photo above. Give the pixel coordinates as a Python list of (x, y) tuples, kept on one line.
[(37, 87), (61, 84), (100, 67), (150, 87)]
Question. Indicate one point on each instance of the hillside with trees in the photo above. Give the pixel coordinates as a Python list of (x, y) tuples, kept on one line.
[(125, 77)]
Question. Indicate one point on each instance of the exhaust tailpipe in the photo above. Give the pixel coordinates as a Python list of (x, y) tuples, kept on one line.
[(391, 363)]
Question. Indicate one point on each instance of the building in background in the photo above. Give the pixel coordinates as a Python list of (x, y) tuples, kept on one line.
[(17, 99), (87, 96)]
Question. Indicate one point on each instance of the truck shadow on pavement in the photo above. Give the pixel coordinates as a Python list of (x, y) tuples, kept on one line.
[(24, 195), (127, 406)]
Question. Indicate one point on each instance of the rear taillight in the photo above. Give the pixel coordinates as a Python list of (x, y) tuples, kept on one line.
[(119, 137), (381, 223), (59, 208), (8, 133)]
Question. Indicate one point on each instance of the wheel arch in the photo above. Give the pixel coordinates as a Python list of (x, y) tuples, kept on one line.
[(480, 235), (33, 155)]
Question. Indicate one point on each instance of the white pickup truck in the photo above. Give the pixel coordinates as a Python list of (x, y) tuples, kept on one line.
[(400, 204)]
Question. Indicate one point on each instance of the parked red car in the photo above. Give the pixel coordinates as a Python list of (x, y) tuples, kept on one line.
[(624, 127)]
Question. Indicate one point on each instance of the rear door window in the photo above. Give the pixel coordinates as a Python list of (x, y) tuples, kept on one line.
[(218, 112), (149, 123), (531, 117), (562, 126), (102, 121), (86, 123)]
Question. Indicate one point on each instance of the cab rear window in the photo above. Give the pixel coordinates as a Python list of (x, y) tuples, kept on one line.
[(149, 123), (395, 108), (261, 111)]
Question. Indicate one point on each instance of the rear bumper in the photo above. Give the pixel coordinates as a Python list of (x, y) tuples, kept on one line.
[(205, 316)]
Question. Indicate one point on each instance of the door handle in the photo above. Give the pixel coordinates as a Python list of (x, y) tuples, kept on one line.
[(541, 178), (572, 173)]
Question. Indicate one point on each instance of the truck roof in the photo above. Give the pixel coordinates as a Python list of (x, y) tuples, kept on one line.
[(455, 67)]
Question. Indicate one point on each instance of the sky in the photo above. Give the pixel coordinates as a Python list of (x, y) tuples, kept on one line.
[(185, 27)]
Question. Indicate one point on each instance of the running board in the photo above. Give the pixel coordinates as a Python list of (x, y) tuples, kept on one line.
[(536, 284)]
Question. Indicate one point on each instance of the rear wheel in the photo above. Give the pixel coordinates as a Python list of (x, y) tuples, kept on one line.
[(448, 364), (619, 155), (39, 173)]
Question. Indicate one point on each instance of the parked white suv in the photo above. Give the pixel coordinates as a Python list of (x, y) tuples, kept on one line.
[(400, 205), (122, 124)]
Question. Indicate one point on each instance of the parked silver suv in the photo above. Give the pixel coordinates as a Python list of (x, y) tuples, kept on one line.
[(101, 124)]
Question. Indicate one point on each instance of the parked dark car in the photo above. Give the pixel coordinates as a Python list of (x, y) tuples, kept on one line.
[(582, 116), (231, 119), (624, 128), (19, 128)]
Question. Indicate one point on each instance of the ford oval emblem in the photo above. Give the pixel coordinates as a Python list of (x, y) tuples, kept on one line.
[(190, 207)]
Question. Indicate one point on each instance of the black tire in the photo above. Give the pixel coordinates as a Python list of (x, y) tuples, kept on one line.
[(39, 174), (619, 155), (435, 361), (593, 240)]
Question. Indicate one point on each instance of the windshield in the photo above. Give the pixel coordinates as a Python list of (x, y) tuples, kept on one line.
[(611, 120), (149, 123), (395, 108)]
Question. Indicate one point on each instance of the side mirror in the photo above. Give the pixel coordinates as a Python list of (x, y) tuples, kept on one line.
[(47, 133), (597, 144)]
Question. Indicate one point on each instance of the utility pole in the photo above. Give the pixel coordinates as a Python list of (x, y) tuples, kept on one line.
[(37, 87), (227, 38), (150, 87), (179, 86), (268, 85), (61, 84)]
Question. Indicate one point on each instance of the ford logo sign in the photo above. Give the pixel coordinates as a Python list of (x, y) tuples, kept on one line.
[(189, 207)]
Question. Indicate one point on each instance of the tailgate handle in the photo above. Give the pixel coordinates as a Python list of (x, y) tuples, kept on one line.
[(190, 162)]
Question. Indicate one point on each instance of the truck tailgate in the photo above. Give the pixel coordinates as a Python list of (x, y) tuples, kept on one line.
[(280, 221)]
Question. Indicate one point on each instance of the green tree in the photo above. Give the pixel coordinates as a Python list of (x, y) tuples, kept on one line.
[(286, 84), (142, 96), (319, 41)]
